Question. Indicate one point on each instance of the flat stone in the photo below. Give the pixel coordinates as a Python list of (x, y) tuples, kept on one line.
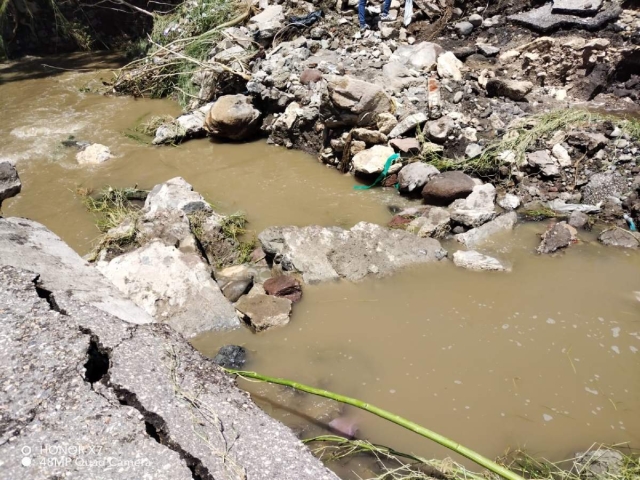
[(284, 286), (406, 145), (324, 254), (578, 219), (558, 235), (434, 223), (397, 76), (487, 50), (577, 7), (477, 236), (10, 184), (262, 312), (547, 165), (617, 237), (543, 19), (408, 123), (472, 260), (372, 137)]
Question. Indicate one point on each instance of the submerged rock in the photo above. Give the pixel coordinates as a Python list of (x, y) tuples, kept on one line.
[(477, 236), (478, 208), (185, 126), (473, 260), (617, 237), (433, 223), (448, 186), (579, 219), (233, 117), (284, 286), (558, 235), (173, 287), (10, 184), (93, 154), (323, 254), (262, 312), (598, 464), (231, 356)]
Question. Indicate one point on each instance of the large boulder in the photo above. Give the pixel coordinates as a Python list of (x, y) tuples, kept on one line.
[(421, 56), (372, 160), (10, 184), (415, 175), (472, 260), (138, 398), (477, 236), (513, 89), (617, 237), (356, 101), (323, 254), (233, 117), (173, 287), (448, 186), (558, 235)]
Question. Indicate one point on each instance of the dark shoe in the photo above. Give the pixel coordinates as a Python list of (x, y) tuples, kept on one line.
[(364, 28)]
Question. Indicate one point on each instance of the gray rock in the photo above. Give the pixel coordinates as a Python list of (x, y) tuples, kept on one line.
[(558, 235), (602, 186), (438, 130), (560, 153), (509, 201), (473, 260), (28, 245), (415, 176), (598, 464), (10, 184), (449, 66), (458, 96), (513, 89), (372, 160), (477, 209), (475, 20), (406, 145), (263, 312), (577, 7), (386, 122), (578, 219), (421, 56), (233, 117), (190, 125), (487, 50), (131, 393), (372, 137), (617, 237), (398, 77), (408, 123), (477, 236), (358, 98), (473, 150), (268, 22), (323, 254), (447, 187), (544, 162), (463, 28), (235, 289), (175, 194), (173, 287), (231, 356), (433, 223), (543, 19)]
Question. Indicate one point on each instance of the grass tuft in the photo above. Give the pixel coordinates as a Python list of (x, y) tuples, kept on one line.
[(539, 214)]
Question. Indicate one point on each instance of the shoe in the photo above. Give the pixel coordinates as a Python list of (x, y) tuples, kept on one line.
[(385, 17), (364, 28)]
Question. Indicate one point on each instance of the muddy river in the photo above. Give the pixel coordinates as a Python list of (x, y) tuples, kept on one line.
[(545, 358)]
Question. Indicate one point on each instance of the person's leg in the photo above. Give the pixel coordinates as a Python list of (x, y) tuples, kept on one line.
[(385, 7), (361, 10)]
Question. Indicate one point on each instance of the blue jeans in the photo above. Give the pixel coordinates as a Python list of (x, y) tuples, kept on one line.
[(361, 10)]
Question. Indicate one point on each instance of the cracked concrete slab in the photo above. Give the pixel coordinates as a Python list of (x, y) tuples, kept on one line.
[(86, 395), (543, 19)]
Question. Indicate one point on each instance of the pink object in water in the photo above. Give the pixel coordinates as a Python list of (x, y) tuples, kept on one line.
[(344, 426)]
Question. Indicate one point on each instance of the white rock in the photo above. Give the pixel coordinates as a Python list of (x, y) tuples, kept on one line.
[(479, 235), (509, 201), (449, 66), (561, 154), (93, 154), (473, 260), (372, 160)]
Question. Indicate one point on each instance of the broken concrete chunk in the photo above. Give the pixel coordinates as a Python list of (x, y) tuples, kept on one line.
[(262, 312), (476, 236), (472, 260), (558, 235), (543, 19)]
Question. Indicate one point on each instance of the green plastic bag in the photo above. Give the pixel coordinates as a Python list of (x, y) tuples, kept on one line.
[(390, 161)]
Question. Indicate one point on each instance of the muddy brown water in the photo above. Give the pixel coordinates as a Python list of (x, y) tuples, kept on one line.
[(545, 358)]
